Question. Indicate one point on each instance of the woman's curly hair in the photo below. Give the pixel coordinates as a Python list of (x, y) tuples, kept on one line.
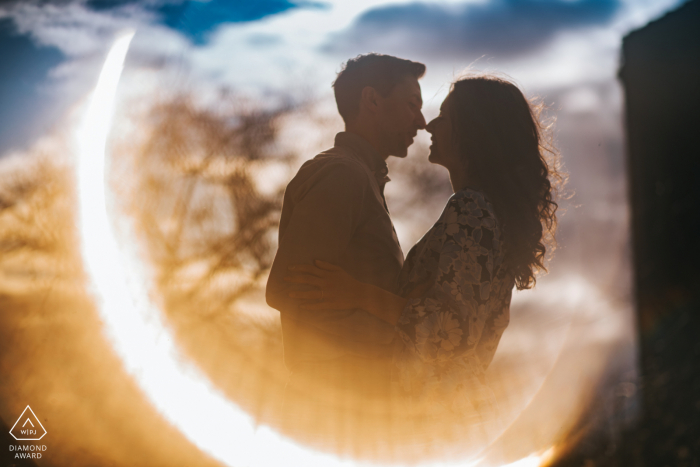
[(509, 150)]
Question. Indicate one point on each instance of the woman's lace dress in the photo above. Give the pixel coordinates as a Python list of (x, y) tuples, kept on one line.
[(448, 336)]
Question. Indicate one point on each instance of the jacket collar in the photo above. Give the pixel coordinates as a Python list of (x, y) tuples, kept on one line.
[(365, 152)]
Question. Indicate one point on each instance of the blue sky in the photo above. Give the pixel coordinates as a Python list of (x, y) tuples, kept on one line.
[(52, 50), (22, 94), (196, 19), (31, 103)]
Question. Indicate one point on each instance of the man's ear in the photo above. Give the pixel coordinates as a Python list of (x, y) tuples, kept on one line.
[(369, 99)]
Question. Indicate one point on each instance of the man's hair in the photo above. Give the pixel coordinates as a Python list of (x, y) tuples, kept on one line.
[(381, 72)]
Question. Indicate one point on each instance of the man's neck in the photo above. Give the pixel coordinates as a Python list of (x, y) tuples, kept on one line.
[(370, 136)]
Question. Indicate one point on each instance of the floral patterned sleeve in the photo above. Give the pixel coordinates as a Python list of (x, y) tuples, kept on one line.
[(457, 323)]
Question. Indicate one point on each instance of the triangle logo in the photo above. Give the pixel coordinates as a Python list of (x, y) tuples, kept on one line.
[(28, 427)]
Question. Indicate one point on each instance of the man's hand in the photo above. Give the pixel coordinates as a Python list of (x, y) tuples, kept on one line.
[(335, 288)]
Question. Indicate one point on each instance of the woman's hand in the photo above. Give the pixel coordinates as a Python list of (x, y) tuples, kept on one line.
[(335, 288)]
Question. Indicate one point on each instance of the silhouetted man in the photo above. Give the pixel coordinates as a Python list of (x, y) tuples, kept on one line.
[(334, 210)]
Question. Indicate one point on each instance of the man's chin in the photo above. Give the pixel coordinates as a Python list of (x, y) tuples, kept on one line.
[(401, 154)]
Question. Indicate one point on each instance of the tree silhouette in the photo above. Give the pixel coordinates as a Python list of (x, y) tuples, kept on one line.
[(198, 198)]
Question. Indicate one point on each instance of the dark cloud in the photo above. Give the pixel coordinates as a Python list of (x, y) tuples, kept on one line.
[(197, 19), (501, 28)]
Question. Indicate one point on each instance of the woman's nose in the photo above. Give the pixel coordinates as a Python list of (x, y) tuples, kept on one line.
[(429, 126)]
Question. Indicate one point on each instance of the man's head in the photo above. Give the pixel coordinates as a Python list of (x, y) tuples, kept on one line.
[(379, 97)]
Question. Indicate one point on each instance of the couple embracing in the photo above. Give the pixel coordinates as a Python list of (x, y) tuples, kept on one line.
[(359, 321)]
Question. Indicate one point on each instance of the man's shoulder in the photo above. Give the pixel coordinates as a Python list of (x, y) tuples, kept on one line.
[(338, 156), (335, 162)]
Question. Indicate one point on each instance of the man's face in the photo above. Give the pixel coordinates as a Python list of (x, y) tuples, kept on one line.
[(400, 117)]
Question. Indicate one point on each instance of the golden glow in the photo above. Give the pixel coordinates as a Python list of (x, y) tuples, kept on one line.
[(533, 460)]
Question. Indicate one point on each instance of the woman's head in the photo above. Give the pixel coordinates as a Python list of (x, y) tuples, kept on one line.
[(490, 131)]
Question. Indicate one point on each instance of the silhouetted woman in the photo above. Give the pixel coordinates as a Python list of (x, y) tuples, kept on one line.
[(456, 284)]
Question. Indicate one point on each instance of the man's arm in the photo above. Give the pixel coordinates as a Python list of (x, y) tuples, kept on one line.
[(321, 226)]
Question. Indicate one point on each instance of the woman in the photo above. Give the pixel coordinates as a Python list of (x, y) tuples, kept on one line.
[(456, 284)]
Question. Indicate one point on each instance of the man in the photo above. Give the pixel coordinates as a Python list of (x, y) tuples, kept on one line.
[(334, 210)]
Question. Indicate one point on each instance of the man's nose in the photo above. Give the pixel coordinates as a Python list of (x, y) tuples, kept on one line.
[(420, 121)]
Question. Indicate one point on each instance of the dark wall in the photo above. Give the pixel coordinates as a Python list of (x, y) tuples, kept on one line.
[(661, 77)]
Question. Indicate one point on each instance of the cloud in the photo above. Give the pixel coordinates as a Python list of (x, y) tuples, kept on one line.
[(71, 27), (501, 29)]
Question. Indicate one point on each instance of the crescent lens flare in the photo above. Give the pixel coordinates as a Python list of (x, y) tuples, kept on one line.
[(119, 282)]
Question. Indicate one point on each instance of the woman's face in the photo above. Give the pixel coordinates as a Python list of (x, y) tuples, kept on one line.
[(442, 149)]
